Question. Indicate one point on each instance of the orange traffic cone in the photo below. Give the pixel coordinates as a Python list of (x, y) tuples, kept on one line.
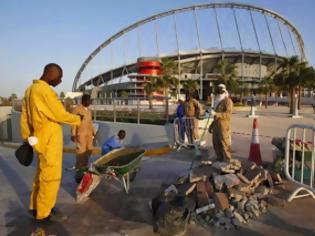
[(254, 152)]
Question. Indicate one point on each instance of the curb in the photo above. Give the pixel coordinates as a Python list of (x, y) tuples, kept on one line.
[(97, 151)]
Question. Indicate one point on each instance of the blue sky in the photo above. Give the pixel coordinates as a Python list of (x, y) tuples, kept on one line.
[(36, 32)]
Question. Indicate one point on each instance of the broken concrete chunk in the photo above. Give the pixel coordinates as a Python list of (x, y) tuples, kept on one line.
[(205, 209), (225, 168), (236, 222), (248, 165), (201, 173), (236, 194), (170, 189), (244, 188), (229, 180), (182, 179), (253, 175), (243, 178), (262, 190), (221, 201), (269, 181), (239, 217), (276, 177), (185, 189)]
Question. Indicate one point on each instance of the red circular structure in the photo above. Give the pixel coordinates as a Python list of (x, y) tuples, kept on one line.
[(149, 66)]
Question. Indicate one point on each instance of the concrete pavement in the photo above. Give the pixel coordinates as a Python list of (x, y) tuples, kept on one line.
[(109, 211)]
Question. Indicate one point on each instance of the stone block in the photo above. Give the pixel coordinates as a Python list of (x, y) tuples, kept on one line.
[(202, 195), (221, 201)]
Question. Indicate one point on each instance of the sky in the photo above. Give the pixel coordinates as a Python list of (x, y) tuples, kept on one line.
[(36, 32)]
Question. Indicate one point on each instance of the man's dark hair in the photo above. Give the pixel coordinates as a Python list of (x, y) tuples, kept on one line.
[(121, 134), (85, 97), (51, 65)]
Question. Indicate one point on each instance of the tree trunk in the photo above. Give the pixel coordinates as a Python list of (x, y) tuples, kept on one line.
[(150, 103), (241, 96), (299, 101), (166, 104), (266, 100), (292, 100)]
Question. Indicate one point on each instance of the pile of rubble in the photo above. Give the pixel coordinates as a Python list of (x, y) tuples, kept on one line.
[(222, 194)]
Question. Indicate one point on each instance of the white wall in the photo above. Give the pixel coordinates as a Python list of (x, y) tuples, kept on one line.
[(142, 134), (5, 123)]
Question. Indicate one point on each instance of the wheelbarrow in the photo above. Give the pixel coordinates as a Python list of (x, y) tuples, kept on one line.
[(120, 164)]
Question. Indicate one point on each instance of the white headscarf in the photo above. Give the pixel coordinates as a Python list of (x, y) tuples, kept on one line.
[(221, 96)]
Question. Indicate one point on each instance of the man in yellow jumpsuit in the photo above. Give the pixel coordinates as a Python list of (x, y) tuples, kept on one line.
[(221, 126), (42, 116), (83, 135)]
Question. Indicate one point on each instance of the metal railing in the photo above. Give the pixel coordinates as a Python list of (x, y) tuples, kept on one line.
[(190, 130), (134, 110), (300, 160)]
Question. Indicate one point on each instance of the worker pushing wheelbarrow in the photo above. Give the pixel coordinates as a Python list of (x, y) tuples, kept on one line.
[(119, 164)]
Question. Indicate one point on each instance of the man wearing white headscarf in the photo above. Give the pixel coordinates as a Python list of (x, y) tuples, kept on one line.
[(221, 126)]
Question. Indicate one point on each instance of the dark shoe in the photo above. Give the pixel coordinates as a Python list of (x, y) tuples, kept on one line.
[(57, 216), (32, 213), (54, 216)]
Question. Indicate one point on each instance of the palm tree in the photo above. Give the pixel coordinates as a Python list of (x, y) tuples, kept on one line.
[(266, 86), (167, 82), (190, 86), (228, 75), (149, 88), (291, 77)]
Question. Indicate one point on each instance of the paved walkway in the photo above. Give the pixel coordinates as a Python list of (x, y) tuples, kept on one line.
[(109, 211)]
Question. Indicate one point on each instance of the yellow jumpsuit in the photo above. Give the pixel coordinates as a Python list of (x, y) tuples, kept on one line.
[(42, 116), (83, 136), (221, 128)]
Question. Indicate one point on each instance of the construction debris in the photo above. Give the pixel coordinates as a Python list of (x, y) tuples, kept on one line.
[(222, 194)]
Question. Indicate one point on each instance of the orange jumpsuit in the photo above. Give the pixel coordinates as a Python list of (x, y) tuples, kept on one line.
[(84, 135), (42, 116)]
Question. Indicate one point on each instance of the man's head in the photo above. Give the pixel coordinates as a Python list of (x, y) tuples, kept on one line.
[(86, 100), (121, 134), (221, 89), (52, 74)]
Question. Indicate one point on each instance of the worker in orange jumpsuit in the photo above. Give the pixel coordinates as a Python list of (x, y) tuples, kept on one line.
[(42, 116), (193, 110), (83, 136)]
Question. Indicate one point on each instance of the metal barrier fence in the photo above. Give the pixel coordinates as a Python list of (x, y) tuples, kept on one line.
[(190, 130), (140, 111), (300, 160)]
